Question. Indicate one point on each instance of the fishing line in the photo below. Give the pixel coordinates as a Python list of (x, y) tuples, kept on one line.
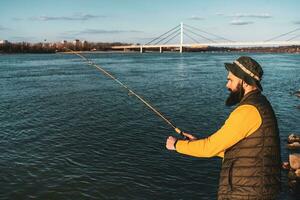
[(131, 92)]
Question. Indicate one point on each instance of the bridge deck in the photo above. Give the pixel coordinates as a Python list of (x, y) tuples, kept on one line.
[(205, 45)]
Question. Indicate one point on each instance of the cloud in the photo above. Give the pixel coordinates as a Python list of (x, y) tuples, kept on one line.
[(297, 22), (67, 18), (17, 19), (22, 38), (143, 38), (240, 22), (261, 16), (2, 28), (195, 18), (220, 14), (247, 15), (79, 34), (102, 31)]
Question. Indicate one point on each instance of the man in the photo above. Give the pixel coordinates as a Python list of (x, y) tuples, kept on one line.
[(248, 142)]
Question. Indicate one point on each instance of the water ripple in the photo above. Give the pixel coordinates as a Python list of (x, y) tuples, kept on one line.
[(68, 132)]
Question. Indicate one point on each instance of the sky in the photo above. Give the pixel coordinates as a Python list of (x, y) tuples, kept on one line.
[(139, 21)]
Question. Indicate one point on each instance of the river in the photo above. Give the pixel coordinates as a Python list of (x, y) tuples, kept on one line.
[(69, 132)]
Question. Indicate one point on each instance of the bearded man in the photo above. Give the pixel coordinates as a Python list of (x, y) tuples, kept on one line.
[(248, 141)]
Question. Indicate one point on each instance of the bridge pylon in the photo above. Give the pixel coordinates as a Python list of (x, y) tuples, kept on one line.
[(181, 36)]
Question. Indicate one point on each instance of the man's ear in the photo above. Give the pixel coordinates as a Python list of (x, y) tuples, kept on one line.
[(245, 85)]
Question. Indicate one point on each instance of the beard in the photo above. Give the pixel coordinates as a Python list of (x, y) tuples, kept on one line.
[(235, 97)]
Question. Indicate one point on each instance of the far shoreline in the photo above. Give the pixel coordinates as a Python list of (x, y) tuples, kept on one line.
[(78, 46), (156, 52), (295, 49)]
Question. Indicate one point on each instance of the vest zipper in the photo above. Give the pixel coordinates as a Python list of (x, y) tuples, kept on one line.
[(230, 175)]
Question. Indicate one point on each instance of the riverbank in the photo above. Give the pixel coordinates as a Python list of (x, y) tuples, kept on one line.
[(109, 49), (281, 49)]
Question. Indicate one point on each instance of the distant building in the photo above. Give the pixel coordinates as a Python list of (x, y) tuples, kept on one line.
[(84, 43), (4, 42), (64, 42), (76, 42)]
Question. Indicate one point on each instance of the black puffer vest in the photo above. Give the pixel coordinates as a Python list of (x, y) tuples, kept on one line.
[(251, 168)]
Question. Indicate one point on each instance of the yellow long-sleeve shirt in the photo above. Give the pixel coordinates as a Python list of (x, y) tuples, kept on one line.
[(242, 122)]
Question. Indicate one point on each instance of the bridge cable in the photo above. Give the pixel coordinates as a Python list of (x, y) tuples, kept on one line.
[(200, 35), (294, 37), (170, 34), (131, 92), (209, 33), (162, 34), (276, 37), (190, 37), (172, 38)]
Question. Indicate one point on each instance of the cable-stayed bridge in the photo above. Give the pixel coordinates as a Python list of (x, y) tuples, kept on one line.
[(185, 36)]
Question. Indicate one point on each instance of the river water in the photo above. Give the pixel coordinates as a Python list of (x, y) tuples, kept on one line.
[(69, 132)]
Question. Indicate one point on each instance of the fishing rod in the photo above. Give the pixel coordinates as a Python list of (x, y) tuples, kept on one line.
[(131, 92)]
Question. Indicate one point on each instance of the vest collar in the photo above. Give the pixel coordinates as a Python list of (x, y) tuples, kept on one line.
[(254, 92)]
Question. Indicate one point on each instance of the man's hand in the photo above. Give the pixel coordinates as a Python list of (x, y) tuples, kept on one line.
[(189, 136), (170, 143)]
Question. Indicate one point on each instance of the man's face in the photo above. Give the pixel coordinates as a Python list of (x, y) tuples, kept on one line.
[(233, 82), (234, 85)]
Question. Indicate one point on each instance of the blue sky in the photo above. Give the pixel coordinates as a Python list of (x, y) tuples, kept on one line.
[(138, 21)]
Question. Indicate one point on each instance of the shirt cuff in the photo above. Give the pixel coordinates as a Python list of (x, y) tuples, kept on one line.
[(175, 144)]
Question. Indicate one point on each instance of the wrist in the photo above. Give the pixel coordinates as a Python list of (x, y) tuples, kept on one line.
[(175, 144)]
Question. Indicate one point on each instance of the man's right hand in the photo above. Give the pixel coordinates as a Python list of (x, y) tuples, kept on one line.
[(189, 136)]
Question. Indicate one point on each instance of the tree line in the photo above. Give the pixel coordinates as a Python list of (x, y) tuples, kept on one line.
[(26, 47)]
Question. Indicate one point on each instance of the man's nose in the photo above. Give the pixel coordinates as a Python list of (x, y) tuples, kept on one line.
[(227, 85)]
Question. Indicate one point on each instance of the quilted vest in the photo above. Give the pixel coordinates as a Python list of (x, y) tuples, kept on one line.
[(251, 168)]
